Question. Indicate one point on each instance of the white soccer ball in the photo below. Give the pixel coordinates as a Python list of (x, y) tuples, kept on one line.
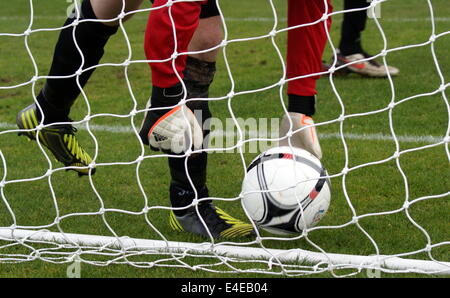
[(285, 190)]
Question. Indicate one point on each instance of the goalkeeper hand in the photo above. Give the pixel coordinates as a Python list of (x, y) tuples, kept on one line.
[(304, 133), (176, 131), (173, 131)]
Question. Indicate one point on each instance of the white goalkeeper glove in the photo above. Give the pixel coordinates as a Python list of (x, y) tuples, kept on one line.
[(306, 138), (176, 131)]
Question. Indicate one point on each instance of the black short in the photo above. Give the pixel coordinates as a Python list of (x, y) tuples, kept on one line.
[(208, 10)]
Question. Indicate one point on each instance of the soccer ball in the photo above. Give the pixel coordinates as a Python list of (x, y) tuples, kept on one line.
[(285, 190)]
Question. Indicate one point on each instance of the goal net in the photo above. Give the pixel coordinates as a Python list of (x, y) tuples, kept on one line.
[(385, 144)]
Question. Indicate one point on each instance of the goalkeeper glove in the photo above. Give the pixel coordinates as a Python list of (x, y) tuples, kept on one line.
[(304, 133), (175, 131), (171, 129)]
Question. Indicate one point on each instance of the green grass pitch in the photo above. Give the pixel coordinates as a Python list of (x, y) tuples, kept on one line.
[(377, 188)]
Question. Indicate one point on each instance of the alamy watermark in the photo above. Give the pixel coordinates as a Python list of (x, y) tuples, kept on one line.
[(256, 135), (373, 272), (231, 135), (374, 9), (70, 11), (74, 269)]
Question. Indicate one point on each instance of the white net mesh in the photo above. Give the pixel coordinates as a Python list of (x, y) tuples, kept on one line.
[(385, 144)]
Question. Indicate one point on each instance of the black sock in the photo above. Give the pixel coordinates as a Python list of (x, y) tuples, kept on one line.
[(302, 104), (352, 26), (181, 191), (180, 196), (59, 94), (52, 113), (198, 76)]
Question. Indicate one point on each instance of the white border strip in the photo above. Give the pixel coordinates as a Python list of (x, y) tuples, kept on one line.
[(254, 134)]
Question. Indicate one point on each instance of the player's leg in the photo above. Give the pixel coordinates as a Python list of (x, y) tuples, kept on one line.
[(304, 57), (110, 9), (353, 24), (91, 37), (198, 76), (58, 95), (161, 44), (197, 72), (350, 48)]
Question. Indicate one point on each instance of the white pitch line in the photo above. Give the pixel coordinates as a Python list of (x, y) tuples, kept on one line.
[(390, 20), (231, 19), (254, 134)]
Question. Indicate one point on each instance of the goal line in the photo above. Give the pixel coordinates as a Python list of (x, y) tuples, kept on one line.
[(271, 256)]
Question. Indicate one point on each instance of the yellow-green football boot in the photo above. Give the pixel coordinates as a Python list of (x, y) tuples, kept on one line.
[(60, 139), (220, 224)]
